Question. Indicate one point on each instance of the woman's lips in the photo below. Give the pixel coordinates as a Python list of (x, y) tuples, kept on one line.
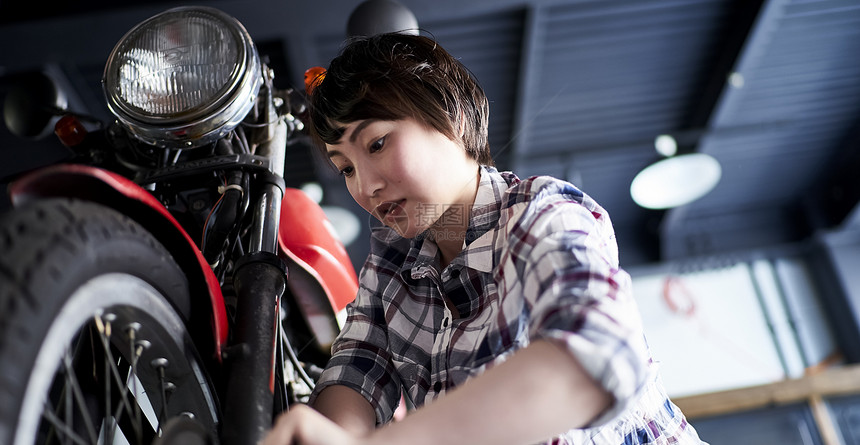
[(390, 209)]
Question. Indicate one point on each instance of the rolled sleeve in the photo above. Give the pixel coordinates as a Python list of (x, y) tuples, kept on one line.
[(580, 299), (360, 359)]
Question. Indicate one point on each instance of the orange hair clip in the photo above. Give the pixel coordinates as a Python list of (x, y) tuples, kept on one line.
[(313, 77)]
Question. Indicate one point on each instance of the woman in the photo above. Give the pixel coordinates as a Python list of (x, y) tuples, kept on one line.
[(495, 305)]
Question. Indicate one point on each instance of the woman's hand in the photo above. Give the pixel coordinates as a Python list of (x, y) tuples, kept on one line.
[(304, 426)]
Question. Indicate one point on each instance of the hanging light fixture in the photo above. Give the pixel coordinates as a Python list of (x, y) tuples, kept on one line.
[(676, 180), (373, 17)]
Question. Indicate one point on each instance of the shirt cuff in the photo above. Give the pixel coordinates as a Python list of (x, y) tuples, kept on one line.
[(348, 376)]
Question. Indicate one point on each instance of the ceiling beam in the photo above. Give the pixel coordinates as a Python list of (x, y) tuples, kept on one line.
[(736, 47), (744, 47), (526, 83), (836, 203)]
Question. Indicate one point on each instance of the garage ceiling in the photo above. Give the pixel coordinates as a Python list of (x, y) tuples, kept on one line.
[(579, 89)]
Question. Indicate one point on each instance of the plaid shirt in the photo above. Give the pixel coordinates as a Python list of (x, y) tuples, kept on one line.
[(540, 262)]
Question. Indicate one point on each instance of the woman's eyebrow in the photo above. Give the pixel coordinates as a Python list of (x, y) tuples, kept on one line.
[(359, 128)]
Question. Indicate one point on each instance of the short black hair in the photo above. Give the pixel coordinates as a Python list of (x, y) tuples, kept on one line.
[(396, 76)]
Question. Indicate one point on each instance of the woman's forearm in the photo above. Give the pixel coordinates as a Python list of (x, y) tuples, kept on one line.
[(541, 391), (347, 408)]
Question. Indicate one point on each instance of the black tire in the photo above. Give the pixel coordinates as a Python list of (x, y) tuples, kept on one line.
[(88, 298)]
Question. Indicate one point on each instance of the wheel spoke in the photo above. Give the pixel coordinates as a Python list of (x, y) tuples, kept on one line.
[(77, 394), (127, 394), (127, 424), (65, 430), (136, 350), (69, 407), (107, 421), (104, 335), (162, 384)]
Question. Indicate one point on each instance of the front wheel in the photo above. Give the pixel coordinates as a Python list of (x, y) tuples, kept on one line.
[(92, 332)]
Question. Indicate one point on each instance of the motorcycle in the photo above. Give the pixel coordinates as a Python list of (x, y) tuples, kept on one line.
[(164, 286)]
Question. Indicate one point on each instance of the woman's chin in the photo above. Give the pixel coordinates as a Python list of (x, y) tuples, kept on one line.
[(405, 229), (410, 233)]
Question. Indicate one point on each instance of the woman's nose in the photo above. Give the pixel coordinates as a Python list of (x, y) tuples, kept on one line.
[(370, 182)]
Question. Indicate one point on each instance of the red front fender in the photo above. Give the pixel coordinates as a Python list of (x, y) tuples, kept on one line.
[(322, 277), (115, 191)]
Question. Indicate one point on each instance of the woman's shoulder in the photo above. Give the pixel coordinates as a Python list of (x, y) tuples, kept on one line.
[(544, 194), (551, 204), (550, 211), (542, 187)]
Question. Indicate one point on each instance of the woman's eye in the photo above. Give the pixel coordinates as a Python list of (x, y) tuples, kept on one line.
[(346, 171), (377, 145)]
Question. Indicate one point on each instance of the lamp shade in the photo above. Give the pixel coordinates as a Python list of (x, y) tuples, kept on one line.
[(675, 181), (373, 17)]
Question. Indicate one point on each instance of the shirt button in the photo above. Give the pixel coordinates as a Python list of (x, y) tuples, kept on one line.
[(445, 323), (437, 386)]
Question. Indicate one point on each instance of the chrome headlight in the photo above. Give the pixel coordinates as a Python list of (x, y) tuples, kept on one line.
[(183, 78)]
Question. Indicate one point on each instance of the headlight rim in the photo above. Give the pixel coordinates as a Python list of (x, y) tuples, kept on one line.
[(199, 125)]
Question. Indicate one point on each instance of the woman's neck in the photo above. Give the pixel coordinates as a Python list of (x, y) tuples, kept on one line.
[(449, 231)]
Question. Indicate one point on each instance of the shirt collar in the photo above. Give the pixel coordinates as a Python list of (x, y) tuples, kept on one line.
[(478, 250), (488, 201)]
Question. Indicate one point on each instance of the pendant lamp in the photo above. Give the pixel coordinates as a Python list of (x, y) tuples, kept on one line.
[(675, 180)]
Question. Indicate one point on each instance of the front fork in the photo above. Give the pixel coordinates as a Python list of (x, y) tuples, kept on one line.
[(260, 280)]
